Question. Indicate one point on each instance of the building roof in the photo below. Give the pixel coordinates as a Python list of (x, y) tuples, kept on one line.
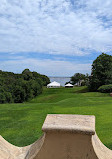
[(54, 84), (69, 85)]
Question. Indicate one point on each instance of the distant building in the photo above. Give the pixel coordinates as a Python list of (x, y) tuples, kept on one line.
[(53, 85), (69, 85)]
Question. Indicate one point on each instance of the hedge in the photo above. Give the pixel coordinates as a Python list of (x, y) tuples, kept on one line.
[(105, 88)]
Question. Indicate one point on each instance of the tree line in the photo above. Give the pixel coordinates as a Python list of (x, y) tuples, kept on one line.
[(18, 88), (101, 74)]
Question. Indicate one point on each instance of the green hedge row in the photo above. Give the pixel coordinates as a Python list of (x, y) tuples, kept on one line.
[(105, 88), (17, 88)]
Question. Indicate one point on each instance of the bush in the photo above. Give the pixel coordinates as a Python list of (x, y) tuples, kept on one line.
[(19, 94), (21, 87), (8, 97), (2, 98), (105, 88)]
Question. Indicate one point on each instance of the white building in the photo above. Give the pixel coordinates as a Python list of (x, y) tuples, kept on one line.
[(69, 85), (53, 85)]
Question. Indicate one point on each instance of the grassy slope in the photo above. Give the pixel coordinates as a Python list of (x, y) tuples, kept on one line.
[(21, 124)]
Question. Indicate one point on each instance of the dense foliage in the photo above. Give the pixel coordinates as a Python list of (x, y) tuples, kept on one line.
[(21, 87), (101, 72), (105, 88), (80, 79)]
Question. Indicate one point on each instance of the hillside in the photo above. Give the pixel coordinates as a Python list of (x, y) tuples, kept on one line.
[(21, 124)]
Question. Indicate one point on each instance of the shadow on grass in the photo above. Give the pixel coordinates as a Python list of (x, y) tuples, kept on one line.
[(81, 90), (109, 145)]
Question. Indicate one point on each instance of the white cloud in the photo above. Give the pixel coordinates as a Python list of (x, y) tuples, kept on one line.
[(48, 67), (56, 27)]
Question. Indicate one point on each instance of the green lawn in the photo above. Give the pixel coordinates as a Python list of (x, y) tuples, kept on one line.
[(21, 124)]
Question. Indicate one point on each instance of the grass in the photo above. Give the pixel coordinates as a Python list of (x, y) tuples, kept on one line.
[(21, 124)]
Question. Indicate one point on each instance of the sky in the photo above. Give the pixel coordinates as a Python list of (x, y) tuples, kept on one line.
[(54, 37)]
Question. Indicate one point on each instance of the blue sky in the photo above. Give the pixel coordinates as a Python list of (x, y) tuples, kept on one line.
[(56, 38)]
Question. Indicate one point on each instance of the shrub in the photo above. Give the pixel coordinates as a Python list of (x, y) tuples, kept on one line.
[(2, 98), (105, 88), (8, 97), (19, 94), (21, 87)]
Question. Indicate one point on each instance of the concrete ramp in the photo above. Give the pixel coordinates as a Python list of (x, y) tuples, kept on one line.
[(65, 137)]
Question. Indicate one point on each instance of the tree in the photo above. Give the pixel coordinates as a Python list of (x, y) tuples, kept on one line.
[(21, 87), (19, 94), (77, 78), (2, 95), (35, 87), (5, 96), (44, 79), (101, 72), (8, 96), (27, 74), (2, 98)]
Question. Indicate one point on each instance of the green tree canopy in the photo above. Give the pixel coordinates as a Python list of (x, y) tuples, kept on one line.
[(101, 72), (21, 87), (77, 78)]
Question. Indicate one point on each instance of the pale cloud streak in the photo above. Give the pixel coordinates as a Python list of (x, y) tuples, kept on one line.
[(48, 67), (69, 27)]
